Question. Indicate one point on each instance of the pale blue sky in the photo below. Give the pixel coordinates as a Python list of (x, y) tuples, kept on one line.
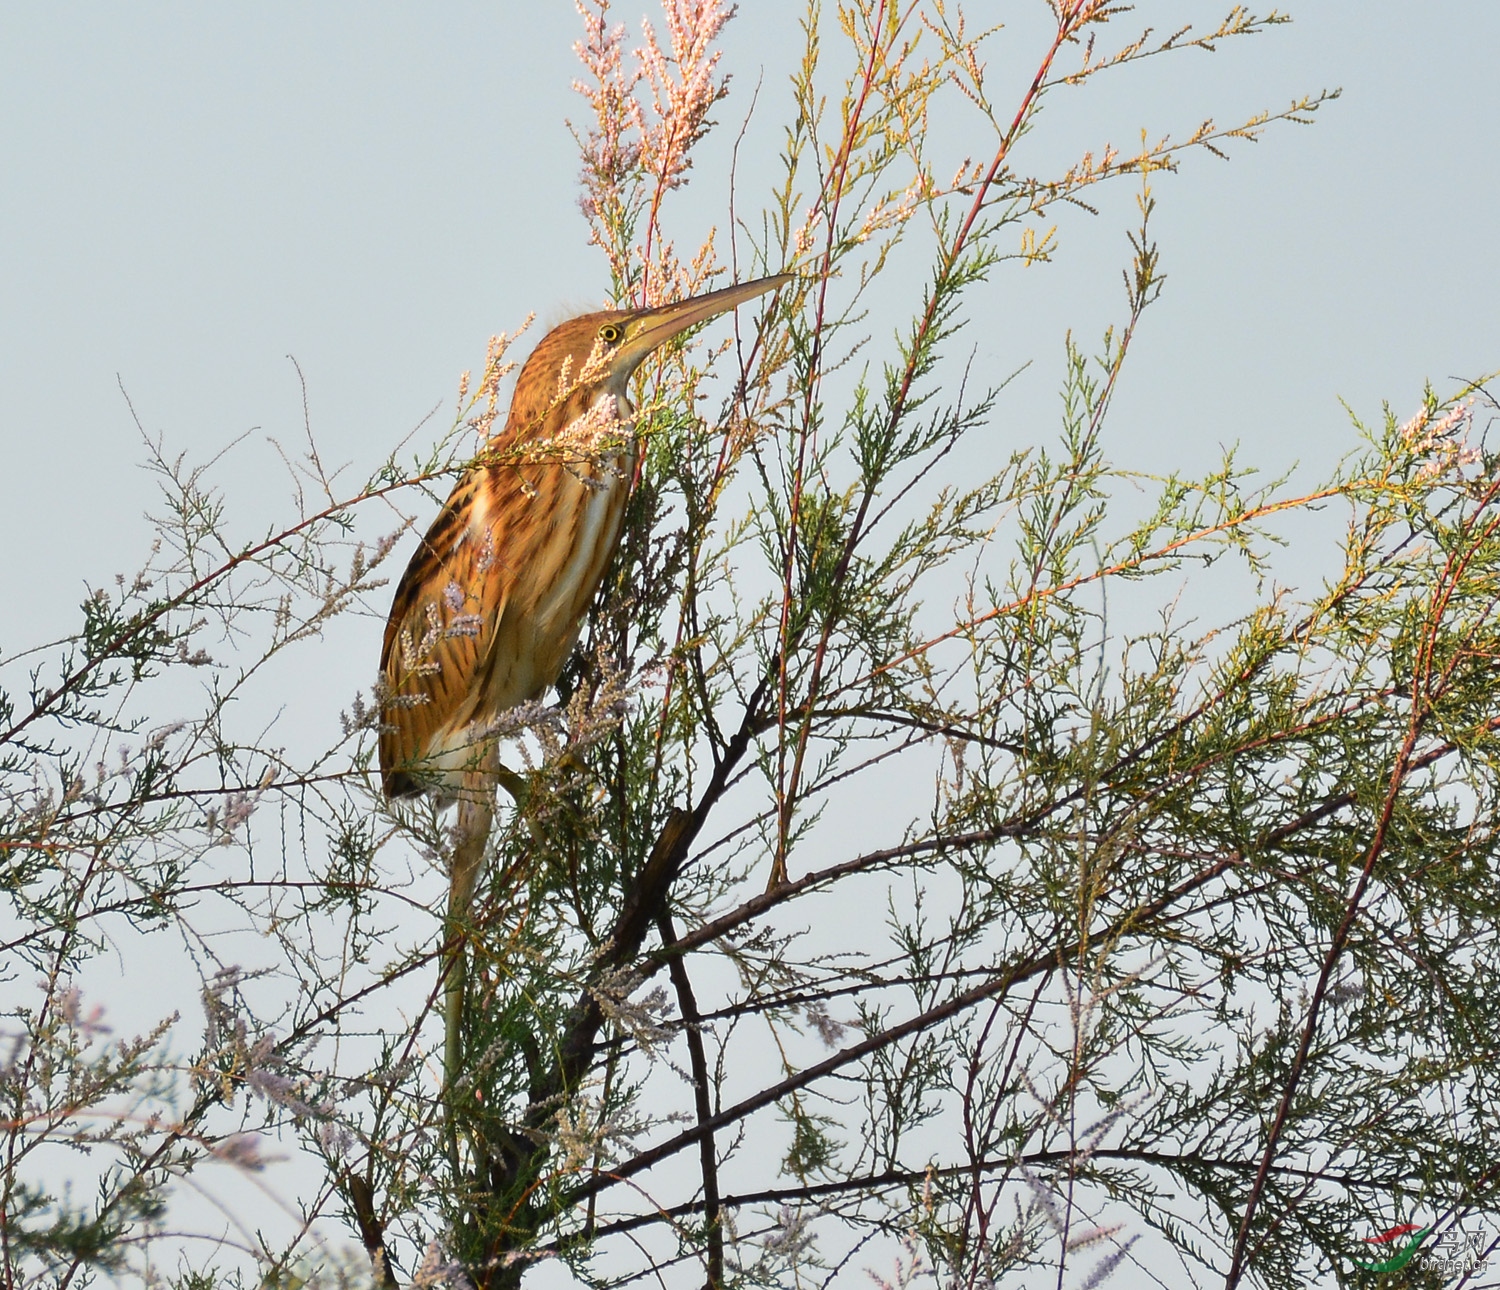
[(193, 192)]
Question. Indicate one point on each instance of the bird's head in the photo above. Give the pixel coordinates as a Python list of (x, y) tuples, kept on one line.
[(596, 354)]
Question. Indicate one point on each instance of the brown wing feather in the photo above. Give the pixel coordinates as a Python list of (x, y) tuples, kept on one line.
[(483, 619), (426, 654), (441, 631)]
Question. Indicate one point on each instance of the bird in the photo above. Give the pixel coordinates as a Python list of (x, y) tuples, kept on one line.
[(493, 600)]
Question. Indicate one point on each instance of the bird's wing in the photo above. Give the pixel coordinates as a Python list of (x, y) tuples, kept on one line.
[(442, 627), (489, 606)]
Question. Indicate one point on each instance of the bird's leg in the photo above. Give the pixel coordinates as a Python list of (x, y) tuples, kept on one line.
[(476, 813), (519, 787)]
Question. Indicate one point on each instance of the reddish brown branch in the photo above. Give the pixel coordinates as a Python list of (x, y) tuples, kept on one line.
[(708, 1162)]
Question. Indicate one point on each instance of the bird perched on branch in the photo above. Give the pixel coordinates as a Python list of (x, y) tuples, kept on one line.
[(494, 598)]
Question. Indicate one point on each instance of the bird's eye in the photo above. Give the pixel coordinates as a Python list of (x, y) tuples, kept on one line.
[(610, 334)]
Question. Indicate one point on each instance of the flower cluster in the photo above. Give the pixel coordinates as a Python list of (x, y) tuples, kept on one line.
[(644, 1019), (610, 154), (1442, 441), (650, 109), (682, 101)]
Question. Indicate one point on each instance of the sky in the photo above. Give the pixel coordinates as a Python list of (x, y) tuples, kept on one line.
[(192, 196), (193, 193)]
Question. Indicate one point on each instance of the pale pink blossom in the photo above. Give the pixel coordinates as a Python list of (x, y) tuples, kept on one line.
[(243, 1150), (1442, 442), (68, 1003), (610, 155), (682, 84), (649, 111)]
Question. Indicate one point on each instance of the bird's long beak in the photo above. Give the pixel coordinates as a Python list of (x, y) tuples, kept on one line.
[(653, 327)]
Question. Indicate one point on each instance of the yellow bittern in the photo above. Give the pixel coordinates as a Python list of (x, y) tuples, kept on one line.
[(492, 602)]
